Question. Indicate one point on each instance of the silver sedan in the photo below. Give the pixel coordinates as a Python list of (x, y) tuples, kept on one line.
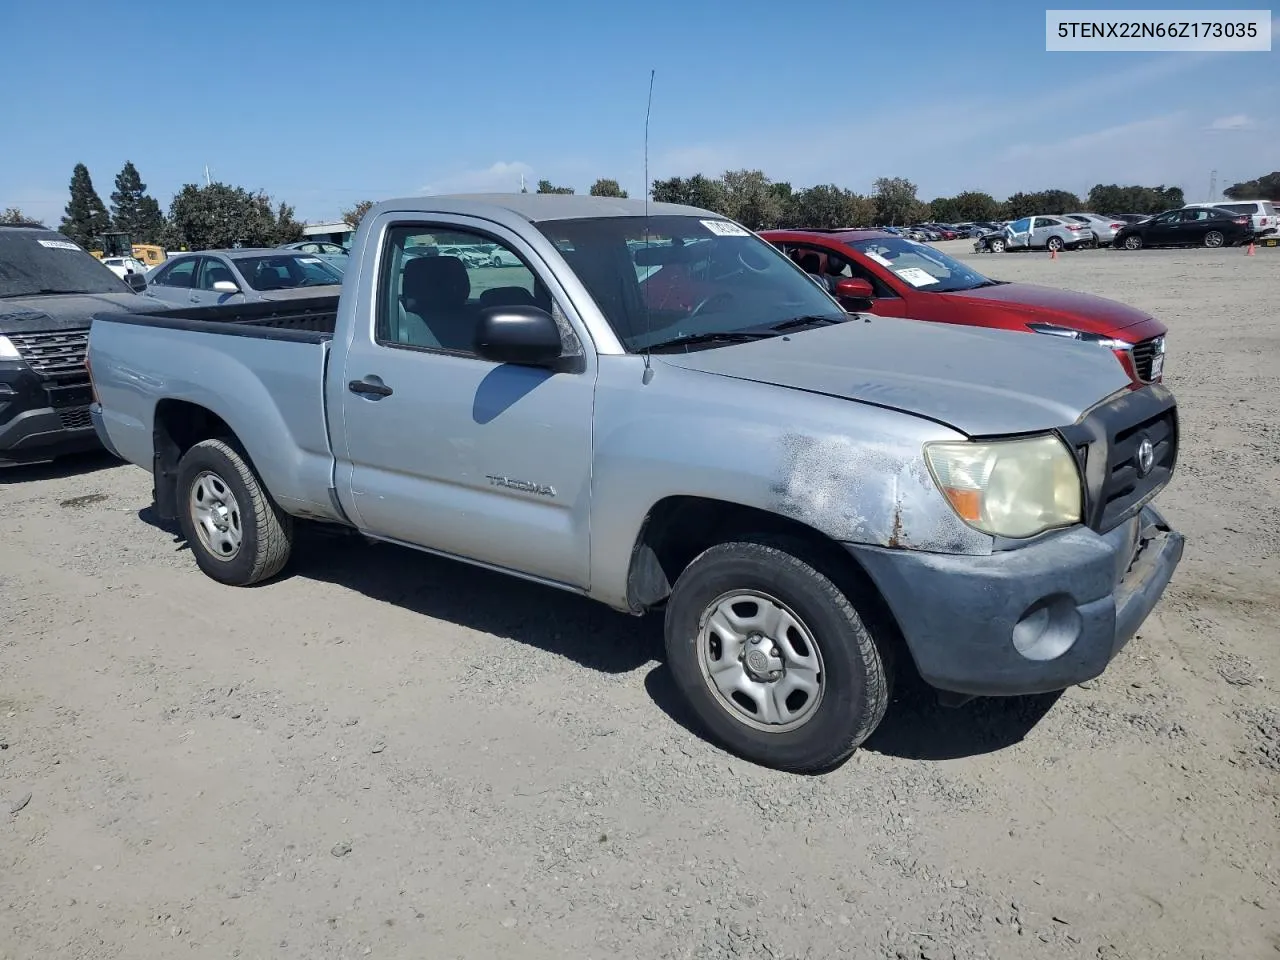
[(1104, 228), (213, 277)]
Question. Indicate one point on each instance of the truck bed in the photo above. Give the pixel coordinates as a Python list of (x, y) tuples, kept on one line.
[(311, 320), (259, 368)]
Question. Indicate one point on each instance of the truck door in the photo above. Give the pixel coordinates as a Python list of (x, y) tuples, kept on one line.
[(441, 449)]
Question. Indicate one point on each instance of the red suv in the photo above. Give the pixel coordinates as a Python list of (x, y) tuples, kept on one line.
[(879, 272)]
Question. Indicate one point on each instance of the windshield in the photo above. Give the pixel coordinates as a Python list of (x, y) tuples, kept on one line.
[(284, 272), (34, 262), (682, 276), (921, 266)]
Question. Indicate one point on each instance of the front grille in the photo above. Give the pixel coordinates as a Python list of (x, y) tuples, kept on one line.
[(57, 355), (75, 418), (1144, 356), (1125, 490), (1108, 441)]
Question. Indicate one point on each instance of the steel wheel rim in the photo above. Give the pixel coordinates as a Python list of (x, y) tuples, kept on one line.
[(997, 246), (1132, 243), (215, 514), (760, 661), (1055, 243), (1213, 239)]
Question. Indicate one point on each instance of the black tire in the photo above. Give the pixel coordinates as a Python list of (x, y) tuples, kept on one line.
[(1133, 242), (854, 678), (1055, 243), (997, 245), (1214, 239), (266, 531)]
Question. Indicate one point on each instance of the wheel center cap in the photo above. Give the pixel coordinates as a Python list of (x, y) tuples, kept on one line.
[(758, 661)]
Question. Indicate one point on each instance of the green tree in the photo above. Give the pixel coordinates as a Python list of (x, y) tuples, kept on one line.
[(357, 213), (133, 210), (1112, 198), (828, 206), (218, 216), (607, 188), (545, 186), (1042, 203), (945, 210), (896, 200), (1266, 187), (695, 191), (287, 229), (86, 218), (13, 215), (750, 199)]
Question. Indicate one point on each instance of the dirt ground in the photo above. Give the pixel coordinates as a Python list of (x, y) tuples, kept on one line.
[(388, 755)]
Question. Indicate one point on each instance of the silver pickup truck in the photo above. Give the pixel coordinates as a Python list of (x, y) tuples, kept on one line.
[(653, 407)]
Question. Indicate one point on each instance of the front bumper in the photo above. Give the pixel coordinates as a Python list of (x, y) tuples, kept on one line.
[(1031, 620), (39, 421)]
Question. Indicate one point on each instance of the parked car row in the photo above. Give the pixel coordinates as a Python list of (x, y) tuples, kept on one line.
[(659, 410), (1198, 224)]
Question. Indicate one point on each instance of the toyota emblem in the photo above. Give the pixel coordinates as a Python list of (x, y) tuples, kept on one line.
[(1145, 459)]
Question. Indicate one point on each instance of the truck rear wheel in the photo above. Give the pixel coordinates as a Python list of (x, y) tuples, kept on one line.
[(238, 535), (773, 658)]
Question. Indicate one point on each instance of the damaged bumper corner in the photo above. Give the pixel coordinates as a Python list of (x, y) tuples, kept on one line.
[(1030, 620)]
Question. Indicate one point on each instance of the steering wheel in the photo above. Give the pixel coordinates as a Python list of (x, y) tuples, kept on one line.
[(709, 299)]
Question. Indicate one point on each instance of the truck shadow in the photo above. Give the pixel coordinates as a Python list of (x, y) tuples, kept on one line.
[(77, 465), (581, 630), (916, 726), (591, 635)]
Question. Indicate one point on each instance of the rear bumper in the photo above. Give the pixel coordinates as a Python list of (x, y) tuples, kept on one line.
[(1032, 620)]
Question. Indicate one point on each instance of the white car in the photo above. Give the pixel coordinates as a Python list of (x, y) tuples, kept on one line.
[(1263, 212), (123, 266)]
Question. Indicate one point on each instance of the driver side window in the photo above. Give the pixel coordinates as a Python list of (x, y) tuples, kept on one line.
[(181, 274), (436, 281)]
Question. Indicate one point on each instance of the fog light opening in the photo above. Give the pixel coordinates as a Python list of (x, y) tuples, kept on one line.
[(1048, 628)]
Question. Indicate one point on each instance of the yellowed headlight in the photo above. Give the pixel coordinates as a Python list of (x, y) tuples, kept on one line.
[(1008, 488)]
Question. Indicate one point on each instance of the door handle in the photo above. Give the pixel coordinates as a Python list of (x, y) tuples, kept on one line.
[(369, 388)]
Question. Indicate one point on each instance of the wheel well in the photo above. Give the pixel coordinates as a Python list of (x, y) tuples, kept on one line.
[(677, 529), (179, 426)]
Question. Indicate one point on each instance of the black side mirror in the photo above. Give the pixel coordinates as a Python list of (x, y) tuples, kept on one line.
[(518, 334), (136, 281)]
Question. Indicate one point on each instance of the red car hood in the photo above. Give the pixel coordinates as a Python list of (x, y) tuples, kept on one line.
[(1054, 305)]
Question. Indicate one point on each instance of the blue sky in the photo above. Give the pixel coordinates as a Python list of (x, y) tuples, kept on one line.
[(325, 102)]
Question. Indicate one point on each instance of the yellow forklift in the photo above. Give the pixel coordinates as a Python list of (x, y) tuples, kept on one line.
[(119, 244)]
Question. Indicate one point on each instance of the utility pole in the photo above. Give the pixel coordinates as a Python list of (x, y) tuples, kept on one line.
[(207, 181), (1213, 186)]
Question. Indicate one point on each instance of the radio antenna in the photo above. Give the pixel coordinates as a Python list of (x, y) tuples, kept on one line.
[(648, 365)]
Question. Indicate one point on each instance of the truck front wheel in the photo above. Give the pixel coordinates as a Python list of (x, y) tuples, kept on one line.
[(773, 658), (238, 535)]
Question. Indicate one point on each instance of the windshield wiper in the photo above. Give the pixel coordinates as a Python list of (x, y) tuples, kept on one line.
[(805, 321), (718, 336), (44, 291)]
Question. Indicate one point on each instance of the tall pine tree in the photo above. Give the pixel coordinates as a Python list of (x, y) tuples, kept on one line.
[(133, 211), (86, 218)]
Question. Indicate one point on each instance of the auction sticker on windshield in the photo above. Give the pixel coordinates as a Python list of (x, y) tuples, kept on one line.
[(723, 228), (915, 276), (58, 244)]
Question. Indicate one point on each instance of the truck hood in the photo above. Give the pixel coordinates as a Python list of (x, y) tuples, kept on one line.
[(1084, 311), (980, 382), (66, 311)]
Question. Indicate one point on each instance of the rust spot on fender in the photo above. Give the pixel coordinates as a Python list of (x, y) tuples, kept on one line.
[(895, 535)]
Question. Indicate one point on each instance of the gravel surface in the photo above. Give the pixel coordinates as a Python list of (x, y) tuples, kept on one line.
[(384, 754)]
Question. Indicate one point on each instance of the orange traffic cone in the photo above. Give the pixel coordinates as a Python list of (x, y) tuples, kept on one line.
[(1053, 254), (1249, 252)]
